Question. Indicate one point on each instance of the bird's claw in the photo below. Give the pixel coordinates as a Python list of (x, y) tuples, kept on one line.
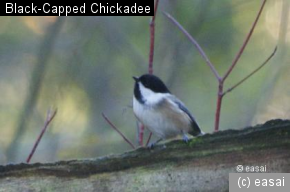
[(185, 138), (151, 146)]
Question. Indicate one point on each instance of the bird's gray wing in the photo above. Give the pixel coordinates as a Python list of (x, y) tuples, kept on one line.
[(195, 127)]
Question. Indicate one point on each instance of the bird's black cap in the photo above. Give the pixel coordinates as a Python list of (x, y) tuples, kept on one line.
[(153, 83)]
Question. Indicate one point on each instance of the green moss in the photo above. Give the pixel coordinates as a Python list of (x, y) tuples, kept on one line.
[(270, 135), (137, 170), (195, 141)]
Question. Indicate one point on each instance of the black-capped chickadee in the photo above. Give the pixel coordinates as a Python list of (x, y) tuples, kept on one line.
[(160, 111)]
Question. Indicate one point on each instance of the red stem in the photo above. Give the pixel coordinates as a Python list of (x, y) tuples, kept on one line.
[(151, 54), (141, 135), (237, 58), (152, 39), (151, 57), (222, 80), (149, 138), (49, 118), (218, 108), (116, 129)]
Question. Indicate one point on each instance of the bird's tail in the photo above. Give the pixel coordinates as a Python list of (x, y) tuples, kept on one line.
[(201, 133), (196, 131), (197, 134)]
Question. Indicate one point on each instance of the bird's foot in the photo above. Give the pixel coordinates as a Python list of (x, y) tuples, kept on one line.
[(185, 138), (152, 145)]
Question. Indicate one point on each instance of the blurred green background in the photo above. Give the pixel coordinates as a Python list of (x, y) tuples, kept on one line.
[(86, 68)]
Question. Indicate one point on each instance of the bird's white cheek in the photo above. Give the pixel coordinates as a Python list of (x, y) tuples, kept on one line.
[(151, 98)]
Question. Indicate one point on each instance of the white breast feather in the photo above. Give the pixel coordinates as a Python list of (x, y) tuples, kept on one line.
[(152, 119)]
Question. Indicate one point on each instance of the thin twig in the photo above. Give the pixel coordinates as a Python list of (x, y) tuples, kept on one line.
[(155, 9), (200, 50), (252, 73), (141, 134), (152, 38), (149, 138), (245, 42), (150, 66), (49, 118), (221, 80), (218, 106), (35, 85), (221, 83), (116, 129)]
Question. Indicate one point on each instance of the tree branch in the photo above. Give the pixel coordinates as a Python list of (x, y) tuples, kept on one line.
[(116, 129), (141, 134), (252, 73), (152, 38), (245, 42), (221, 80), (49, 118), (195, 43), (177, 167), (149, 138), (151, 57), (45, 51)]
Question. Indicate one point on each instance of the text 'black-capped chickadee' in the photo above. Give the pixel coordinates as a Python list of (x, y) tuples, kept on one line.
[(160, 111)]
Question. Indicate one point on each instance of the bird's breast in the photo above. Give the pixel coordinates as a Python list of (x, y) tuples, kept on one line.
[(162, 119)]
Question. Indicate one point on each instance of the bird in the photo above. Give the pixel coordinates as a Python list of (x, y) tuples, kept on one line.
[(160, 111)]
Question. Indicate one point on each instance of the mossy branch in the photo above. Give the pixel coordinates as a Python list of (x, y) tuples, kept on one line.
[(178, 166)]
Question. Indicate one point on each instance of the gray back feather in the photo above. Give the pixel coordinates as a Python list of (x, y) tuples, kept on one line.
[(195, 127)]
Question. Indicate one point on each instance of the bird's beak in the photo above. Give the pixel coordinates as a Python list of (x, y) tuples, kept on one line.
[(135, 78)]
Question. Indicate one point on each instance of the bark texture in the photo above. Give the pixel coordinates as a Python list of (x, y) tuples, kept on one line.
[(203, 164)]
